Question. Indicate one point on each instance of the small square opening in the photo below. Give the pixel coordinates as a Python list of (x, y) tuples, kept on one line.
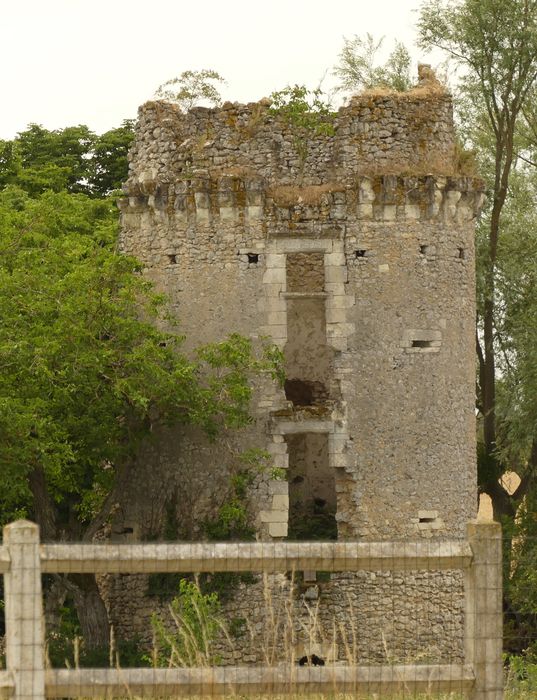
[(253, 258), (360, 253), (172, 259)]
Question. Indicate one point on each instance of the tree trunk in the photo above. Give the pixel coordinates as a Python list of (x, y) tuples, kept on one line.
[(55, 596), (43, 505), (91, 611)]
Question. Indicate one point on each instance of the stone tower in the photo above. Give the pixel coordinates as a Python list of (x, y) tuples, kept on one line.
[(354, 253)]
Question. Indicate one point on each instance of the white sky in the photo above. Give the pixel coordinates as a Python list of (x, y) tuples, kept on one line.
[(67, 62)]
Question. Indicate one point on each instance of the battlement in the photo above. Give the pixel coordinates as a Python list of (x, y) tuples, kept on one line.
[(380, 133), (311, 210)]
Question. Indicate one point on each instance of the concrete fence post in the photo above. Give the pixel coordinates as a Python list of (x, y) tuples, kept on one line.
[(25, 639), (483, 610)]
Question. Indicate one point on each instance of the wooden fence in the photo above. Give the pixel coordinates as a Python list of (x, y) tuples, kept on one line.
[(23, 560)]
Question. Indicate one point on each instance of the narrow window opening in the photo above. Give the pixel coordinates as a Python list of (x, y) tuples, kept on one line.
[(172, 259), (312, 488), (360, 253), (462, 254), (421, 343), (307, 355), (253, 258), (427, 520)]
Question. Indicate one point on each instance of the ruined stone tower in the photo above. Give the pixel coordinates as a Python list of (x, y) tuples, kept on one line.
[(354, 253)]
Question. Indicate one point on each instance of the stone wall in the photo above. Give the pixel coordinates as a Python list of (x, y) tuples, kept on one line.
[(367, 617), (354, 254)]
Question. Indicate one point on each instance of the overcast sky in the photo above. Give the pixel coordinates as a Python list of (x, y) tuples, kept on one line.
[(67, 62)]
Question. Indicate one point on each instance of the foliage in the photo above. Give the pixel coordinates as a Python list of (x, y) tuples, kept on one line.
[(232, 521), (191, 88), (357, 69), (237, 627), (66, 648), (521, 681), (72, 159), (303, 108), (58, 157), (318, 526), (83, 376), (197, 622), (496, 45), (109, 164)]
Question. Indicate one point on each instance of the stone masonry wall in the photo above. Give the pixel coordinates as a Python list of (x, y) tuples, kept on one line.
[(363, 241)]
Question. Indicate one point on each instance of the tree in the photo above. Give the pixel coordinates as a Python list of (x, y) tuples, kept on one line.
[(72, 159), (109, 165), (58, 158), (191, 88), (357, 69), (495, 42), (82, 376), (303, 108)]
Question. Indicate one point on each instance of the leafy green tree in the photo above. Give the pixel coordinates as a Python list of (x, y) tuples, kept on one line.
[(8, 163), (357, 68), (72, 159), (109, 164), (495, 42), (304, 108), (191, 88), (85, 374), (54, 159)]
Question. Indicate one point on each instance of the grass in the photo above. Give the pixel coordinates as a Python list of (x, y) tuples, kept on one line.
[(198, 630)]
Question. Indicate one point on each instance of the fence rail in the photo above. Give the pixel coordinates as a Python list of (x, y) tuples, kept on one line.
[(259, 557), (23, 560), (259, 681), (241, 557)]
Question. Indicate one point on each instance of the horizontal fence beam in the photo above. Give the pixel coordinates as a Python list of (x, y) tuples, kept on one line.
[(6, 684), (255, 556), (247, 681), (5, 560)]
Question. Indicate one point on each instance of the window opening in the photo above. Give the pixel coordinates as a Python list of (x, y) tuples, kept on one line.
[(421, 343), (253, 258), (305, 393), (307, 355), (312, 488), (360, 253)]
